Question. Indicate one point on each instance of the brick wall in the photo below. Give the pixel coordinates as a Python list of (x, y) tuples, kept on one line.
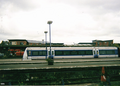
[(103, 43), (18, 42), (34, 44), (21, 43)]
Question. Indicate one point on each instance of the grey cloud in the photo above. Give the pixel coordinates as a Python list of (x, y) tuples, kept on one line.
[(97, 9), (15, 5), (23, 4), (5, 32), (96, 6), (106, 5), (108, 32), (114, 31)]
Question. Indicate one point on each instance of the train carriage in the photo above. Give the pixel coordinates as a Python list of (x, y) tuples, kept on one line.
[(70, 52), (34, 53), (108, 52), (73, 52)]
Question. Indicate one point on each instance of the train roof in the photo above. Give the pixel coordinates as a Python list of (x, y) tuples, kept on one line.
[(35, 48), (68, 48)]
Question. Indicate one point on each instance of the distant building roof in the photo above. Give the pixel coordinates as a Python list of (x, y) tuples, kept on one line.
[(101, 40), (85, 43), (34, 41), (17, 39), (56, 43), (29, 41)]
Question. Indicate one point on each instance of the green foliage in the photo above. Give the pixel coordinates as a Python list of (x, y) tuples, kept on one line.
[(50, 61), (116, 45)]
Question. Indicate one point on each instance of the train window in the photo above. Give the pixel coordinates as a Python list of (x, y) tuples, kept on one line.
[(66, 52), (107, 52), (42, 53), (74, 52), (51, 53), (58, 53), (97, 52), (29, 53), (34, 53), (102, 52), (110, 52), (94, 52), (85, 52), (81, 52), (89, 52)]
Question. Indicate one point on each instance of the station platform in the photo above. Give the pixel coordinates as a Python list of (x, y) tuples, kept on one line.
[(62, 65), (19, 64), (43, 61)]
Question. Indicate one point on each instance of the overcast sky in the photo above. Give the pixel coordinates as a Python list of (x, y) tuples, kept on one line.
[(74, 21)]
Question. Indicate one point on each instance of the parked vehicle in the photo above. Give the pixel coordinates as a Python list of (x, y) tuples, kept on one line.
[(1, 54)]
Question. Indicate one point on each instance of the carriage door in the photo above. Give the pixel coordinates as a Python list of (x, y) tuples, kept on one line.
[(95, 53), (52, 52)]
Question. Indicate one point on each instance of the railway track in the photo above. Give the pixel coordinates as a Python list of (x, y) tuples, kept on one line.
[(65, 76)]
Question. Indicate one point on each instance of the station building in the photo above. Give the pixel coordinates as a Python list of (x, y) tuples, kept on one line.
[(34, 42), (17, 41), (103, 42), (98, 43), (29, 42)]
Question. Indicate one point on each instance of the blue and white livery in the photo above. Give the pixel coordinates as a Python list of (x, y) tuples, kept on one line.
[(70, 52)]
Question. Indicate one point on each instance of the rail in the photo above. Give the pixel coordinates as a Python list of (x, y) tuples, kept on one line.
[(57, 77)]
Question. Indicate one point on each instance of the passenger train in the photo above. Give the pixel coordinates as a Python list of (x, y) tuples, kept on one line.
[(69, 52)]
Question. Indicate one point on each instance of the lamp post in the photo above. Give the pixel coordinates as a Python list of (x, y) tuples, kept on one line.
[(46, 41), (50, 22)]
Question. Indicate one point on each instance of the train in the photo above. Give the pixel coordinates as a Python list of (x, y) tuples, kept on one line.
[(70, 52)]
